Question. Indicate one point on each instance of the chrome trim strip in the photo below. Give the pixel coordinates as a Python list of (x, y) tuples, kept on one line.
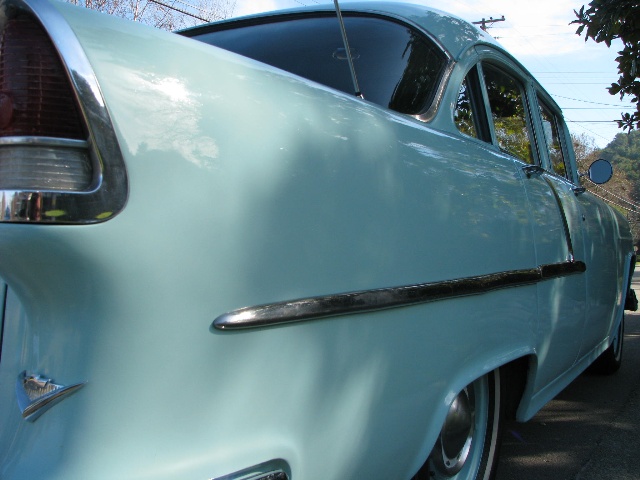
[(276, 469), (430, 113), (384, 298), (37, 394), (557, 270), (109, 191), (565, 223), (43, 142), (425, 115)]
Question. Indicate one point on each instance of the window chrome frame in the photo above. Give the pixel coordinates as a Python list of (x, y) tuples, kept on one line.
[(430, 112), (425, 115)]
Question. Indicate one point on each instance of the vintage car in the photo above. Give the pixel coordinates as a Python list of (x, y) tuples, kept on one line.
[(299, 245)]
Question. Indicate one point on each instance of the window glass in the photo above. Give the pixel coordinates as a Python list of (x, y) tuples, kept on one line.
[(396, 66), (464, 115), (508, 112), (554, 148)]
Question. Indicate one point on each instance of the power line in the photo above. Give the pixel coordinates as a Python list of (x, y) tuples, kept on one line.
[(580, 73), (600, 187), (591, 121), (538, 35), (191, 6), (614, 203), (596, 134), (603, 82), (594, 103), (184, 12)]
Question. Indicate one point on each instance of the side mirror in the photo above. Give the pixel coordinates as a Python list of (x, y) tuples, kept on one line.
[(600, 171)]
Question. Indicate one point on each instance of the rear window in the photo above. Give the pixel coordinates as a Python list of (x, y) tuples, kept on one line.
[(397, 67)]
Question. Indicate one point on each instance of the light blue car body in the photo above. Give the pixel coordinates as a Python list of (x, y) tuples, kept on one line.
[(251, 186)]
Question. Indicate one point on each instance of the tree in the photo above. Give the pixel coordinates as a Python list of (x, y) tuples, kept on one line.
[(624, 154), (605, 21), (623, 190), (164, 14), (585, 149)]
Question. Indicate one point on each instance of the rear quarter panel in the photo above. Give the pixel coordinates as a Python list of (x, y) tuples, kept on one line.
[(248, 186)]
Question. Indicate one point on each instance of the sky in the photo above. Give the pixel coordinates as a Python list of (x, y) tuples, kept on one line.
[(538, 34)]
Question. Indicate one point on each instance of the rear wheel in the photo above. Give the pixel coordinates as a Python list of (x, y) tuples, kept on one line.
[(610, 360), (468, 444)]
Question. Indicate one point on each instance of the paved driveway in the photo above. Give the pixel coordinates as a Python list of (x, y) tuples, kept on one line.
[(591, 431)]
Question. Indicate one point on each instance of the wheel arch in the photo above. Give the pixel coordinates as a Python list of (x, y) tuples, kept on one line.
[(515, 369), (515, 377)]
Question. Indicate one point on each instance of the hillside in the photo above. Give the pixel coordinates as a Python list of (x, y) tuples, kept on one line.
[(623, 191)]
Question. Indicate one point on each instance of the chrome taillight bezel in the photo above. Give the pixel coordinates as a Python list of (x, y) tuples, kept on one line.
[(106, 194)]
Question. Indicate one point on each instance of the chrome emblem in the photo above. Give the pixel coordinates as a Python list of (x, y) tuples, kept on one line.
[(36, 394)]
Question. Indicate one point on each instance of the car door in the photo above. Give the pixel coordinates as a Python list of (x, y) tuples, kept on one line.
[(555, 229), (591, 226), (559, 174), (603, 275)]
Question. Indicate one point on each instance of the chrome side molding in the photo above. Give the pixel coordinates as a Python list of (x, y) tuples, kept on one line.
[(563, 217), (384, 298), (276, 469), (37, 394)]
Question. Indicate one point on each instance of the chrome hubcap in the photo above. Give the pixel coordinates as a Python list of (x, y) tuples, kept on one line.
[(454, 444)]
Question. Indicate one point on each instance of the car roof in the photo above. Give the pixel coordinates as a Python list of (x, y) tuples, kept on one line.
[(454, 34)]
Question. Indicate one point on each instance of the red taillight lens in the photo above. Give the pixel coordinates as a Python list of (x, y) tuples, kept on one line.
[(60, 160), (42, 139), (35, 95)]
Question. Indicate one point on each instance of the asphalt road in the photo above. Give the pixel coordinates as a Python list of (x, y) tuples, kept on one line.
[(590, 431)]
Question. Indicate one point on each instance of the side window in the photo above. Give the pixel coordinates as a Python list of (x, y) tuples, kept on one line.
[(552, 138), (465, 115), (470, 112), (397, 67), (509, 113)]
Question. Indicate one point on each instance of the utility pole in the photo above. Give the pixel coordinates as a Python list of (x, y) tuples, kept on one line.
[(483, 22)]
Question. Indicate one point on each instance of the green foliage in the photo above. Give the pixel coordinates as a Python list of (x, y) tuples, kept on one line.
[(585, 149), (624, 154), (623, 190), (605, 21), (463, 114), (512, 136), (509, 114)]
